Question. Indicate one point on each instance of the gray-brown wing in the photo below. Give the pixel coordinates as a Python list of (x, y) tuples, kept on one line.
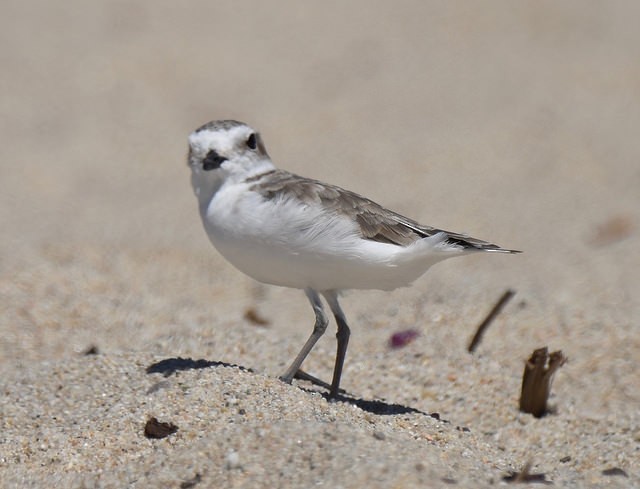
[(376, 223)]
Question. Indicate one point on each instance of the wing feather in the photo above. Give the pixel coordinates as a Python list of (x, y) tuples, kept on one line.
[(376, 223)]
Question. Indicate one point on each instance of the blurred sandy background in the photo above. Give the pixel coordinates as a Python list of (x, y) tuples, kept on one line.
[(516, 122)]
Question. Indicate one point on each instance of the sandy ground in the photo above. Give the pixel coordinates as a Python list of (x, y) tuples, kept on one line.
[(514, 122)]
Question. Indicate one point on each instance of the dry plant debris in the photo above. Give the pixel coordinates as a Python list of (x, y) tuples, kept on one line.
[(536, 380), (156, 429)]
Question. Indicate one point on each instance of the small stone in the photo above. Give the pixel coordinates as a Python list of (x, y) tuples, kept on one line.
[(232, 461), (379, 435), (615, 471), (91, 350), (188, 484)]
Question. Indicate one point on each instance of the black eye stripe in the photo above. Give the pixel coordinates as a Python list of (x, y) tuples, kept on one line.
[(212, 161), (252, 141)]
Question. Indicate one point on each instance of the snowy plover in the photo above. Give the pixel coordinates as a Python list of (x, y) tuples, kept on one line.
[(287, 230)]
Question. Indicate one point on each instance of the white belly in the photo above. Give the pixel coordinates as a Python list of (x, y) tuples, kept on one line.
[(284, 243)]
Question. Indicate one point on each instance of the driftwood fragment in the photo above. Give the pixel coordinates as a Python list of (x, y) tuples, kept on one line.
[(536, 380)]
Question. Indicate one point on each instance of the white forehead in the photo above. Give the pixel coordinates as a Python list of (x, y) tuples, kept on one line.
[(222, 139)]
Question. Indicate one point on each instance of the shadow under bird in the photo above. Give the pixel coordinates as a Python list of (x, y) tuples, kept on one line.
[(287, 230)]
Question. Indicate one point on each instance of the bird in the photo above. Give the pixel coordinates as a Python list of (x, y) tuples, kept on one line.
[(287, 230)]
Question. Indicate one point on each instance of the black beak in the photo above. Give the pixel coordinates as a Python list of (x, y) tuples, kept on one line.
[(212, 161)]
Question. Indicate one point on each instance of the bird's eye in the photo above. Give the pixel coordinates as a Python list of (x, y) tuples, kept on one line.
[(252, 141)]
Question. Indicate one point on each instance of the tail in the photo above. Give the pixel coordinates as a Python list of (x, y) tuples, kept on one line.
[(467, 243)]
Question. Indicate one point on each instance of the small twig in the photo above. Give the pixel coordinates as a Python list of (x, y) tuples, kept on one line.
[(506, 297)]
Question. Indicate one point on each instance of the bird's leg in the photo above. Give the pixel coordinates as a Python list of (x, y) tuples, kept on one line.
[(343, 340), (318, 330)]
